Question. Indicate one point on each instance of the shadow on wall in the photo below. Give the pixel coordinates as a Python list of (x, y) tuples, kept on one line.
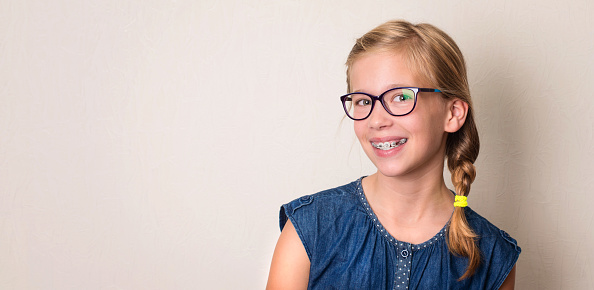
[(506, 100)]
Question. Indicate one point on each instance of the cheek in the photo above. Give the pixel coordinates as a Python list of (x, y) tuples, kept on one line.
[(433, 131), (432, 119), (425, 128), (359, 129)]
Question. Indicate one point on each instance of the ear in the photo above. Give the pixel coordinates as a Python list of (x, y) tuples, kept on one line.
[(456, 115)]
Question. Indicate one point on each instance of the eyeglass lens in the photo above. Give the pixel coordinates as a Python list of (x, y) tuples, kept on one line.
[(396, 102)]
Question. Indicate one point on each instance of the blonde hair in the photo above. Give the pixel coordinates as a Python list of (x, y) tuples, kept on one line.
[(435, 57)]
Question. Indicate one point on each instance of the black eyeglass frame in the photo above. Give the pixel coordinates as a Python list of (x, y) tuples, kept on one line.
[(380, 98)]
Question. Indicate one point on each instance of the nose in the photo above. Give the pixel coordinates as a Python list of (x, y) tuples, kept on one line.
[(379, 118)]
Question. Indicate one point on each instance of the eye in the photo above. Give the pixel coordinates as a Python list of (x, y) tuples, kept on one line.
[(401, 98), (363, 102)]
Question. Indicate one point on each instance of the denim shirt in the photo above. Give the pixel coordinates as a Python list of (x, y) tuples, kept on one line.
[(348, 247)]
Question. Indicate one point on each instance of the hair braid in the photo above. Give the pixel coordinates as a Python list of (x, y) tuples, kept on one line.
[(462, 149)]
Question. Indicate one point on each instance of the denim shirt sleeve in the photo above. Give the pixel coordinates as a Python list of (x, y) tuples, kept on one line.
[(504, 255), (499, 250), (293, 211)]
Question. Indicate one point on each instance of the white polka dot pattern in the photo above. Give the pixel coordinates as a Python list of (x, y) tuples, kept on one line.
[(404, 251)]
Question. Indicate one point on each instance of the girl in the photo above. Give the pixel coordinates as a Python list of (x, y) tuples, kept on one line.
[(400, 227)]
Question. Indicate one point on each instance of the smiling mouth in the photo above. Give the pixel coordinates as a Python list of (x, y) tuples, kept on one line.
[(388, 145)]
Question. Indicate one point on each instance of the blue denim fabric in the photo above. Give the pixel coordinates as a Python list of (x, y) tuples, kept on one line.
[(350, 249)]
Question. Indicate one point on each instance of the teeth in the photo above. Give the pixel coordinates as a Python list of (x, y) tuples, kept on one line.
[(389, 145)]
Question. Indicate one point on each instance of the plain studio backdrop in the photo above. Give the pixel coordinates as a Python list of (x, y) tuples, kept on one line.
[(150, 144)]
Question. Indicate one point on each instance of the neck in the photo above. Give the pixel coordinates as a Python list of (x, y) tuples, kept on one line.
[(410, 200)]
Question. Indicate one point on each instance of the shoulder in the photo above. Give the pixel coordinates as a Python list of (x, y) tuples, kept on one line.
[(499, 251), (324, 202), (324, 215), (487, 230)]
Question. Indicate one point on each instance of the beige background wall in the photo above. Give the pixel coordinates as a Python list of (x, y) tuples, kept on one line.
[(149, 144)]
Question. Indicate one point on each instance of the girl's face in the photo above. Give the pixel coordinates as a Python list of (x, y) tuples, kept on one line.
[(423, 129)]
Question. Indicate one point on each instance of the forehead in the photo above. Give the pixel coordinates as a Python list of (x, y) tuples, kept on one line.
[(375, 72)]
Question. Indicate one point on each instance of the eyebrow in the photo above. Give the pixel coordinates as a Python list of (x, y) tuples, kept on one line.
[(389, 87)]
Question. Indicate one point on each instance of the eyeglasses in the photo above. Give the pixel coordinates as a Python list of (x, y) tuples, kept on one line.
[(396, 101)]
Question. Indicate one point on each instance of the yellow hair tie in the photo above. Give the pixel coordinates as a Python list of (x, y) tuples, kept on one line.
[(460, 201)]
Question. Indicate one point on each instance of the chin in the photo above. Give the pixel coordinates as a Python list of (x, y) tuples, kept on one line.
[(390, 170)]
